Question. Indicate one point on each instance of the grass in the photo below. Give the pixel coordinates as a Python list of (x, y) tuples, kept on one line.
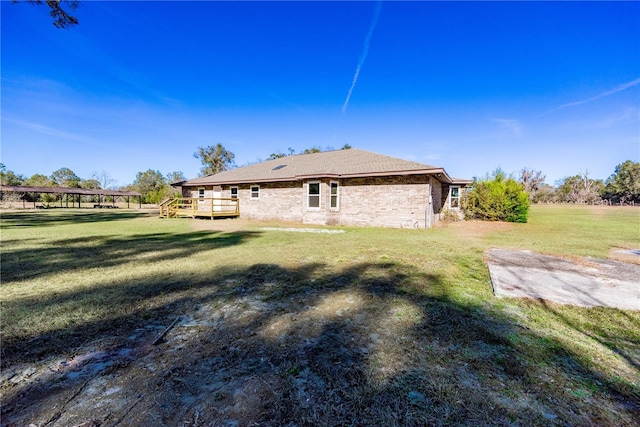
[(369, 327)]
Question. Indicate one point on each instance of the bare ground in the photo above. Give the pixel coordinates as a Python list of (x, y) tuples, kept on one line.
[(312, 358)]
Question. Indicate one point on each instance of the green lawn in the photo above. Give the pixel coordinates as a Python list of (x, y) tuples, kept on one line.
[(446, 351)]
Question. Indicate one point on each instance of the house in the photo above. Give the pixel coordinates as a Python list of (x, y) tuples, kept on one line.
[(343, 187)]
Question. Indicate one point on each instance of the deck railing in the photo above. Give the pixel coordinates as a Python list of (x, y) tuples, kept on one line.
[(200, 207)]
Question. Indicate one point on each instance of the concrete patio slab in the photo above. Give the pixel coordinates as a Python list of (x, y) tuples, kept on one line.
[(586, 282)]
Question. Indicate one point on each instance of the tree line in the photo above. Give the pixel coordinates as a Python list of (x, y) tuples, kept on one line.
[(152, 184), (622, 187)]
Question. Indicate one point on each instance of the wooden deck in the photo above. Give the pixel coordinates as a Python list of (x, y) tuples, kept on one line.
[(200, 208)]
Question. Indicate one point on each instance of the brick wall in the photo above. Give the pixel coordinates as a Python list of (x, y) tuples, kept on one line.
[(396, 201), (279, 200)]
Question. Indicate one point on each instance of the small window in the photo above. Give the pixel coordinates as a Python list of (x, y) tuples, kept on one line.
[(233, 192), (201, 193), (255, 191), (334, 195), (454, 198), (313, 192)]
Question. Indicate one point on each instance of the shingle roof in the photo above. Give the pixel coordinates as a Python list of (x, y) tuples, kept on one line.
[(328, 164)]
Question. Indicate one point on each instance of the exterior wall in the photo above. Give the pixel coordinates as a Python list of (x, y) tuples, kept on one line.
[(278, 200), (445, 196), (394, 201), (193, 191), (436, 199), (446, 199)]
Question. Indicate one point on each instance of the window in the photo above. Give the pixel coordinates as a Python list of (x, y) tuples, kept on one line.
[(313, 193), (255, 191), (454, 198), (201, 193), (334, 195), (233, 191)]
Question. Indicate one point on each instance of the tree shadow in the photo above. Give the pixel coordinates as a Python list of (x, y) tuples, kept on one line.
[(311, 345), (67, 255), (57, 217)]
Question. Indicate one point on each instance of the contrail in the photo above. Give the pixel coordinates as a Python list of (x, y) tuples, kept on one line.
[(616, 89), (365, 51)]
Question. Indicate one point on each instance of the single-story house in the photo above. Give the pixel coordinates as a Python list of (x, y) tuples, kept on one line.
[(341, 187)]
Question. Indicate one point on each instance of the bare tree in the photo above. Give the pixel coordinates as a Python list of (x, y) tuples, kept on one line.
[(580, 189), (532, 180), (105, 180)]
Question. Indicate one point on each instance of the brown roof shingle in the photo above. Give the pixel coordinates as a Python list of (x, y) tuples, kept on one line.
[(339, 163)]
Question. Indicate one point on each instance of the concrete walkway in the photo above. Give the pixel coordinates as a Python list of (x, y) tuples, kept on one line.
[(586, 282)]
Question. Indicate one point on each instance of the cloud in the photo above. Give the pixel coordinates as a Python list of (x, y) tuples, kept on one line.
[(509, 127), (363, 56), (50, 131), (630, 115), (506, 128), (615, 90)]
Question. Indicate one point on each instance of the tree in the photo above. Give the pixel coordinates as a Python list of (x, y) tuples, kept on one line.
[(579, 189), (346, 147), (175, 176), (546, 193), (214, 159), (39, 180), (90, 184), (497, 198), (312, 150), (279, 155), (8, 177), (531, 181), (104, 179), (624, 185), (151, 185), (61, 17), (65, 177)]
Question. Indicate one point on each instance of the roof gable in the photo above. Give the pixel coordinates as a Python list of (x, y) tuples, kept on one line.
[(338, 163)]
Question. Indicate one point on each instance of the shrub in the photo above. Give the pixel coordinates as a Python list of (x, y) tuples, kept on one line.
[(497, 199)]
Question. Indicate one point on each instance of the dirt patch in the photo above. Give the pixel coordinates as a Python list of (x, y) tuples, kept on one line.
[(239, 224), (478, 229), (219, 224), (225, 363), (625, 255), (586, 282)]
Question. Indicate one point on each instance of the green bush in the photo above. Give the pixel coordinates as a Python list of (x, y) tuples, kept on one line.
[(497, 199)]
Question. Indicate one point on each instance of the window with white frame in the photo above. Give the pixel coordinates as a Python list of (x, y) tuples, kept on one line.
[(313, 195), (201, 192), (454, 197), (333, 203), (255, 191), (233, 192)]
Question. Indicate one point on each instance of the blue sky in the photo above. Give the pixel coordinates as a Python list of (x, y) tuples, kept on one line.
[(469, 86)]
